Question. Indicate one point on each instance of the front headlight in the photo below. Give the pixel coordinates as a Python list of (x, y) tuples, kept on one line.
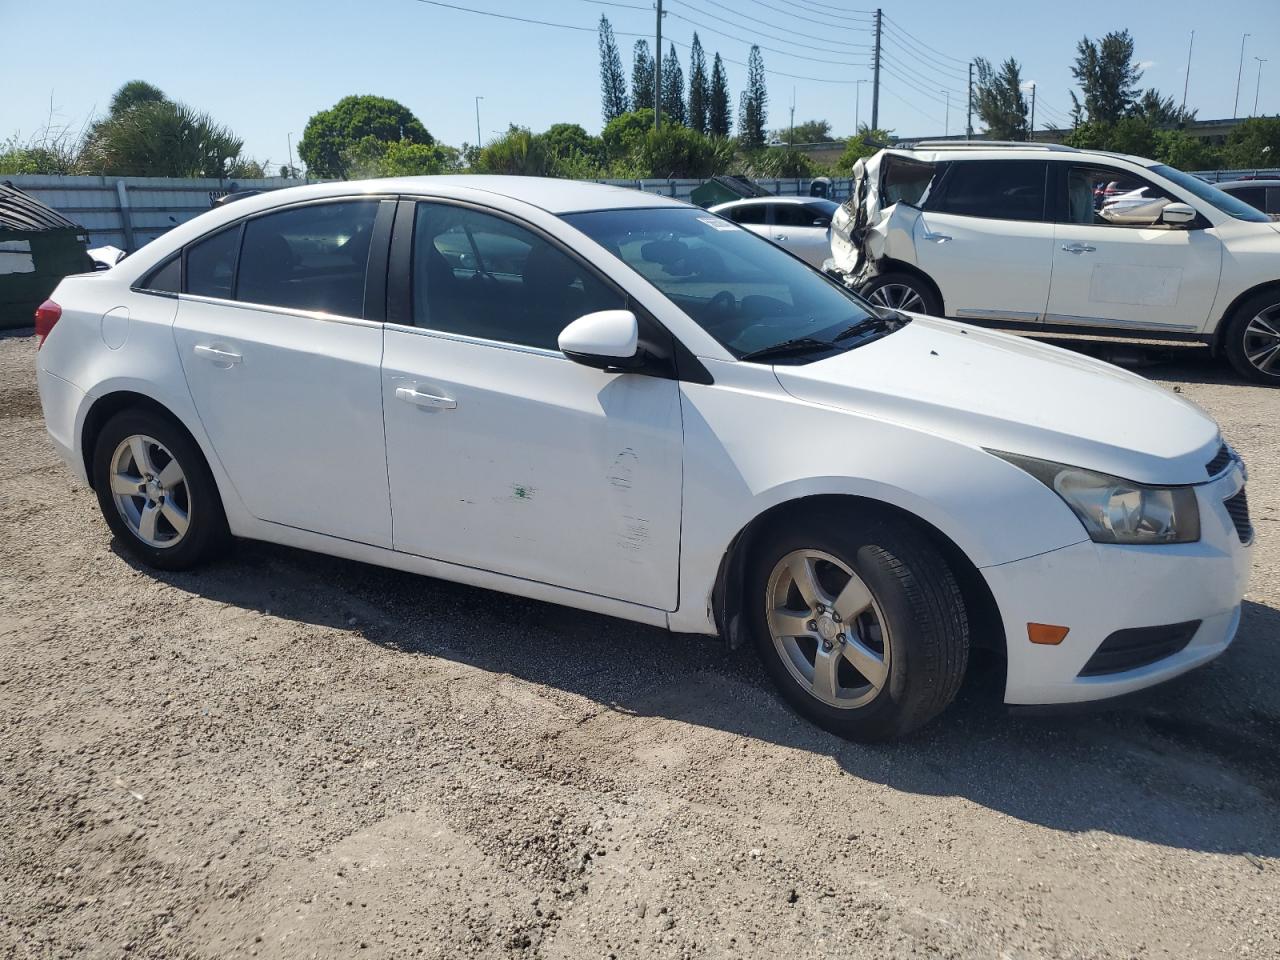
[(1114, 510)]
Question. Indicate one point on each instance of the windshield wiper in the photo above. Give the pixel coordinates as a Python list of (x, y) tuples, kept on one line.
[(871, 323), (788, 347)]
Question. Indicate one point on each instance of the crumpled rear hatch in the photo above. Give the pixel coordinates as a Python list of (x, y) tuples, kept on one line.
[(879, 182)]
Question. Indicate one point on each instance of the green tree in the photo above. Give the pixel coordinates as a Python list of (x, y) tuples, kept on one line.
[(998, 99), (1107, 75), (372, 157), (753, 109), (1160, 110), (1253, 143), (782, 162), (1134, 135), (1179, 149), (621, 134), (574, 152), (719, 113), (674, 108), (330, 134), (865, 143), (809, 131), (699, 88), (677, 152), (132, 94), (613, 82), (160, 139), (516, 152), (641, 77)]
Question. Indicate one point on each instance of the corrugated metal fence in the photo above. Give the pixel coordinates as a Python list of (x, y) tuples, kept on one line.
[(127, 212)]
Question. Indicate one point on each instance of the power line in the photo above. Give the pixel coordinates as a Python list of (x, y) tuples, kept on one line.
[(946, 73), (815, 3), (806, 36), (774, 73), (908, 103), (923, 91), (822, 23), (624, 6), (906, 69), (926, 59), (781, 53), (933, 50)]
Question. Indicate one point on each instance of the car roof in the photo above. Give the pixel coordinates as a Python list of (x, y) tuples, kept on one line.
[(938, 154), (749, 200), (1247, 183)]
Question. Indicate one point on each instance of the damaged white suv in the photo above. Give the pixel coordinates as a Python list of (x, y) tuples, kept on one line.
[(1046, 237)]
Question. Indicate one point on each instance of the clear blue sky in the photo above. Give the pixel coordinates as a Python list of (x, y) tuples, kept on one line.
[(264, 68)]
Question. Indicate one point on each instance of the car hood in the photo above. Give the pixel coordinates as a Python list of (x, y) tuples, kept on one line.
[(1009, 393)]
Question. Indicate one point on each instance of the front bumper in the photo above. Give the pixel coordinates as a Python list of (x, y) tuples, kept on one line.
[(1099, 589)]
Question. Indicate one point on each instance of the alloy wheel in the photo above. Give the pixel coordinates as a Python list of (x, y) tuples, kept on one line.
[(897, 296), (828, 629), (150, 491), (1262, 341)]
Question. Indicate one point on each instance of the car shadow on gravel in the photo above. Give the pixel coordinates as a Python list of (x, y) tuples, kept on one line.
[(1169, 767)]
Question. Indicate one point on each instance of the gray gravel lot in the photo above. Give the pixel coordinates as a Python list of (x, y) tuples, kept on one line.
[(287, 755)]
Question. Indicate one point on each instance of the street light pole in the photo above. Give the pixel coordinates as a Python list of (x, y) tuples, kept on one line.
[(478, 99), (1186, 82), (1235, 105), (1261, 61), (946, 123), (289, 140)]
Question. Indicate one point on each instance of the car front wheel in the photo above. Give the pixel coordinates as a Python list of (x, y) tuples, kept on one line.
[(902, 291), (1253, 338), (860, 623)]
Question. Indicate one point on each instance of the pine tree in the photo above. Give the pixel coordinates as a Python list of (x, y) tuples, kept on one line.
[(673, 102), (998, 99), (641, 77), (719, 118), (753, 110), (1108, 76), (613, 82), (699, 87)]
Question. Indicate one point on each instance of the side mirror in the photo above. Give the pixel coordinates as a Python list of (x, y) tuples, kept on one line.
[(1176, 214), (607, 339)]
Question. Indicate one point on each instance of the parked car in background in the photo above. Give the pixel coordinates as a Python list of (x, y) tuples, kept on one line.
[(622, 403), (1262, 194), (1047, 238), (801, 225)]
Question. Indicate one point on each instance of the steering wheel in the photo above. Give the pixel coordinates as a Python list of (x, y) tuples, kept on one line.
[(722, 307)]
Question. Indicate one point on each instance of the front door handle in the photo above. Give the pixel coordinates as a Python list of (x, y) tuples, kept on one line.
[(779, 236), (216, 354), (1078, 248), (428, 400), (937, 237)]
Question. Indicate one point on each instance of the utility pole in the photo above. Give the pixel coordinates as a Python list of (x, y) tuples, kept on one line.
[(289, 140), (478, 99), (1235, 105), (791, 137), (1031, 133), (968, 124), (657, 73), (857, 105), (1186, 81), (875, 84), (946, 123), (1261, 61)]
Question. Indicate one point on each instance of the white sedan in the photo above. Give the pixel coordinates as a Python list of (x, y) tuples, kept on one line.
[(801, 225), (610, 400)]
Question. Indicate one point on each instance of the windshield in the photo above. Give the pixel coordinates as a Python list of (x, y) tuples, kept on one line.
[(1231, 206), (740, 288)]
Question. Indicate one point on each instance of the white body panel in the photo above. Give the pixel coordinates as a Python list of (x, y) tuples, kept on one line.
[(635, 486)]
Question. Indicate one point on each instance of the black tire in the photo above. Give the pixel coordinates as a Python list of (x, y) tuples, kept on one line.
[(888, 289), (206, 533), (1239, 340), (914, 590)]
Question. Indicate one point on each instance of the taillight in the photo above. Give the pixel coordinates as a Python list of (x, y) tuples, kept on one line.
[(47, 315)]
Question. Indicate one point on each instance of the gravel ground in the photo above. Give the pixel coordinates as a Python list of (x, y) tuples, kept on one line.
[(287, 755)]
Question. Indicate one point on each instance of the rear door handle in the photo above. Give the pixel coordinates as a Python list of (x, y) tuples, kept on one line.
[(216, 354), (937, 237), (1078, 248), (428, 400)]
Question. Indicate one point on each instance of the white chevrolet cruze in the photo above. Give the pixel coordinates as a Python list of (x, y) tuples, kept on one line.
[(614, 401)]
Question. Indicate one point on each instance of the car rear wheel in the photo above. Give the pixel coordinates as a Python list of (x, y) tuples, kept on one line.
[(902, 291), (860, 623), (156, 492), (1253, 338)]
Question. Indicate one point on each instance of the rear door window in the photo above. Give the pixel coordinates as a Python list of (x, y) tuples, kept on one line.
[(309, 258), (750, 213), (994, 189), (211, 264), (793, 215)]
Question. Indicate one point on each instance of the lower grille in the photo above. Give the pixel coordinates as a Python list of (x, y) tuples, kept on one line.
[(1139, 646), (1219, 462), (1238, 510)]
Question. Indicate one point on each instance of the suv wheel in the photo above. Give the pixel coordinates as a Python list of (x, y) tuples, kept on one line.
[(902, 291), (1253, 338), (156, 492), (861, 624)]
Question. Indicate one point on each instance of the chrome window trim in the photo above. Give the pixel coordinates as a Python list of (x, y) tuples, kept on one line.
[(475, 341), (267, 308)]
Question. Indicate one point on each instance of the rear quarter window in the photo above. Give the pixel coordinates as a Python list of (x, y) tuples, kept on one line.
[(994, 189)]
